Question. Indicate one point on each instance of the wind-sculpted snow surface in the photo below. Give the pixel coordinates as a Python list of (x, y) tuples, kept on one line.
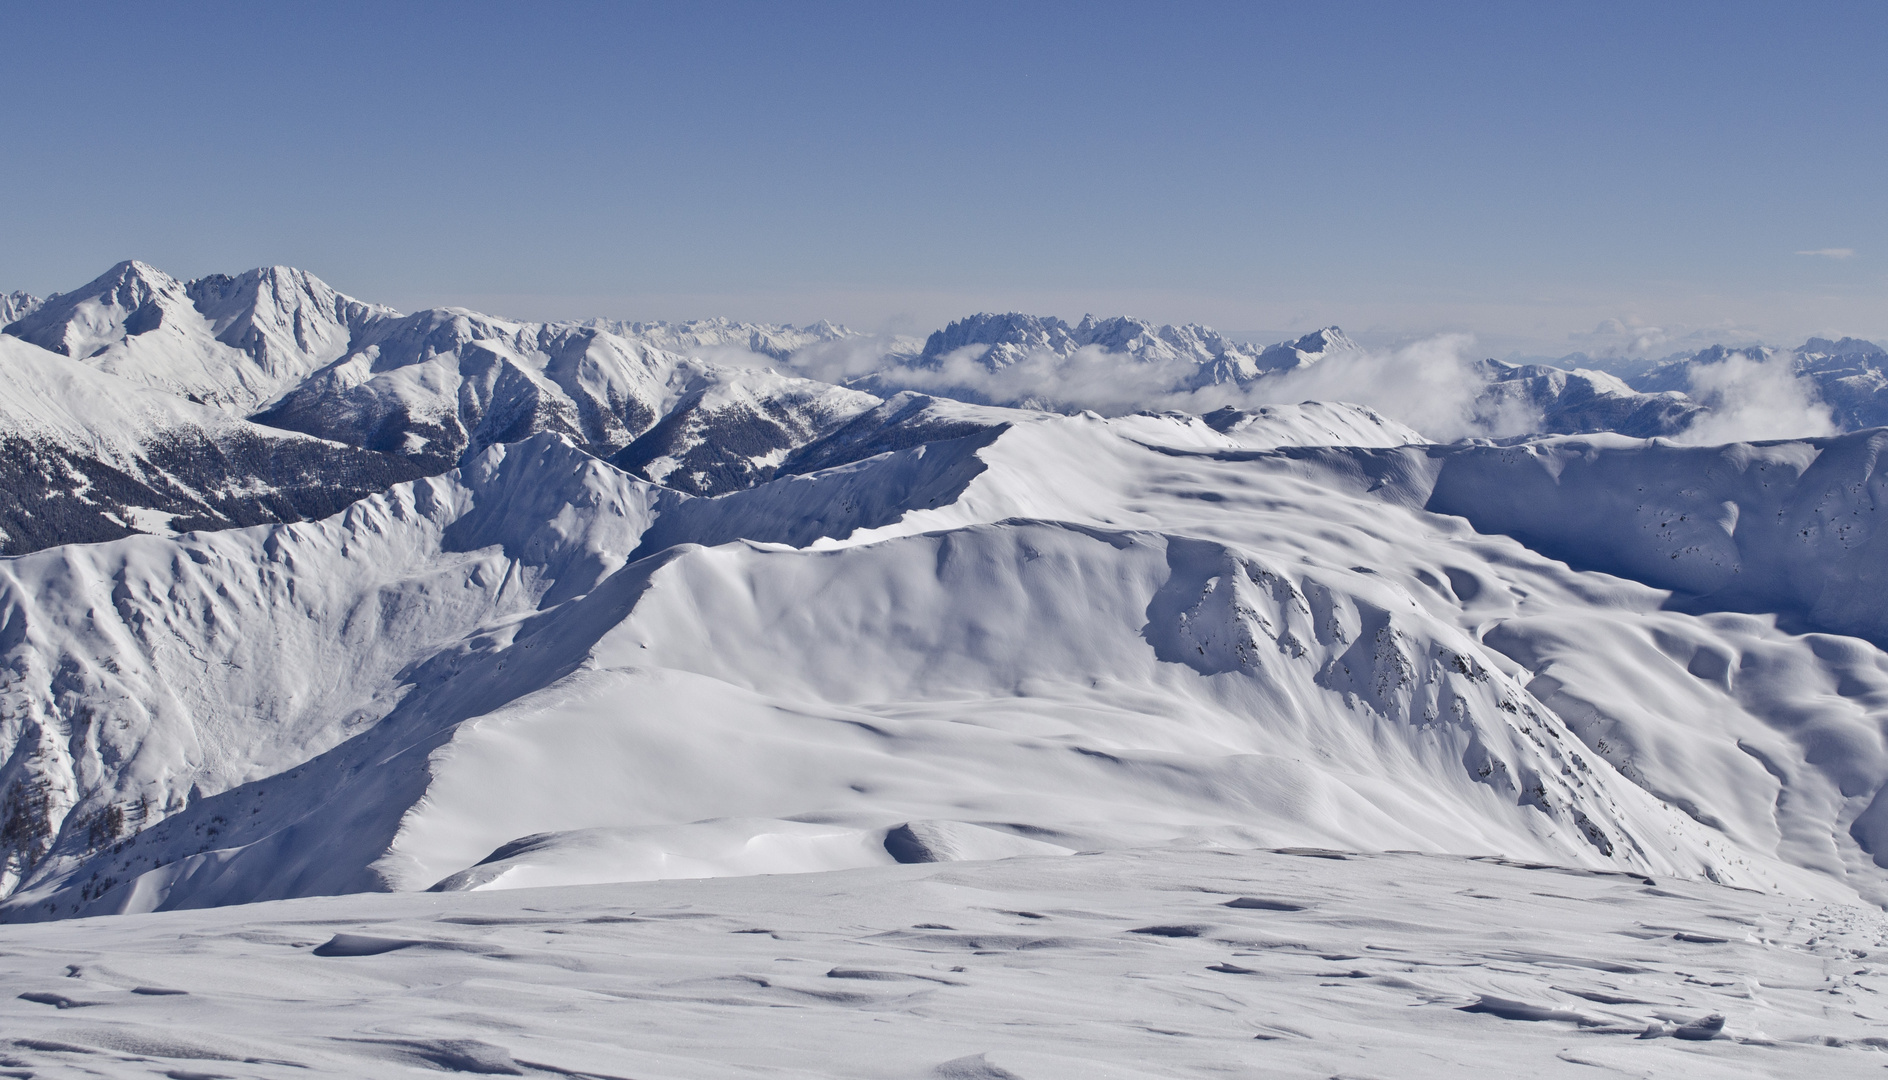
[(1067, 632), (1125, 965), (813, 628)]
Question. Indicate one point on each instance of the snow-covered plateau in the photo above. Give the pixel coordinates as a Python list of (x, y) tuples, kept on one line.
[(997, 730)]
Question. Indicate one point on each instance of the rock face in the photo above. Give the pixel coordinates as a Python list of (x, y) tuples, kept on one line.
[(283, 348), (1852, 377), (649, 613)]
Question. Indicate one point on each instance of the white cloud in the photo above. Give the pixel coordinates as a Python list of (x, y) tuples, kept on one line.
[(1755, 397), (1433, 385), (1831, 253)]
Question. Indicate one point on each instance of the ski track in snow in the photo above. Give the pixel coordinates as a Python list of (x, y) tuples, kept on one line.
[(1117, 965)]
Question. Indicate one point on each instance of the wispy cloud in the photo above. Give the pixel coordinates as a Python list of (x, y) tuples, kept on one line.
[(1831, 253)]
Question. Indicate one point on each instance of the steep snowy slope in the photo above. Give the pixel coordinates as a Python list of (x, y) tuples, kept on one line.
[(1775, 738), (1789, 527), (1050, 633), (908, 419), (730, 428), (289, 322), (1851, 376), (86, 456), (147, 674), (282, 345)]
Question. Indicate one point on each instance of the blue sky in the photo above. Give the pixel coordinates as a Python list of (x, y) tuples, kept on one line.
[(1523, 171)]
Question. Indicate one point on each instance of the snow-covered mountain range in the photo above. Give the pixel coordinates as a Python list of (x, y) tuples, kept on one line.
[(715, 405), (468, 603), (998, 341)]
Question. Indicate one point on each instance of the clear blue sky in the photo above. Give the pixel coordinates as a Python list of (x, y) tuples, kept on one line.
[(1524, 170)]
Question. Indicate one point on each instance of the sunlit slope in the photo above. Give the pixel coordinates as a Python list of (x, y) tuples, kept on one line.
[(1049, 634)]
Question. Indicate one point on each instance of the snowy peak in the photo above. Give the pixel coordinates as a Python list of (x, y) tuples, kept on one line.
[(436, 384), (1309, 349), (289, 321), (1009, 338), (232, 342), (17, 305), (88, 456), (1848, 376), (126, 301)]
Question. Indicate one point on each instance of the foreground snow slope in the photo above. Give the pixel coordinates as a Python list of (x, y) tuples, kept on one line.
[(1045, 633), (1114, 966)]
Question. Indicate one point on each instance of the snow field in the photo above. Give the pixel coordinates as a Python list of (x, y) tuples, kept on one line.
[(1130, 964)]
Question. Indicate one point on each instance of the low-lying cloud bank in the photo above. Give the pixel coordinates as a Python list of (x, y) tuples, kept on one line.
[(1434, 385), (1438, 385)]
